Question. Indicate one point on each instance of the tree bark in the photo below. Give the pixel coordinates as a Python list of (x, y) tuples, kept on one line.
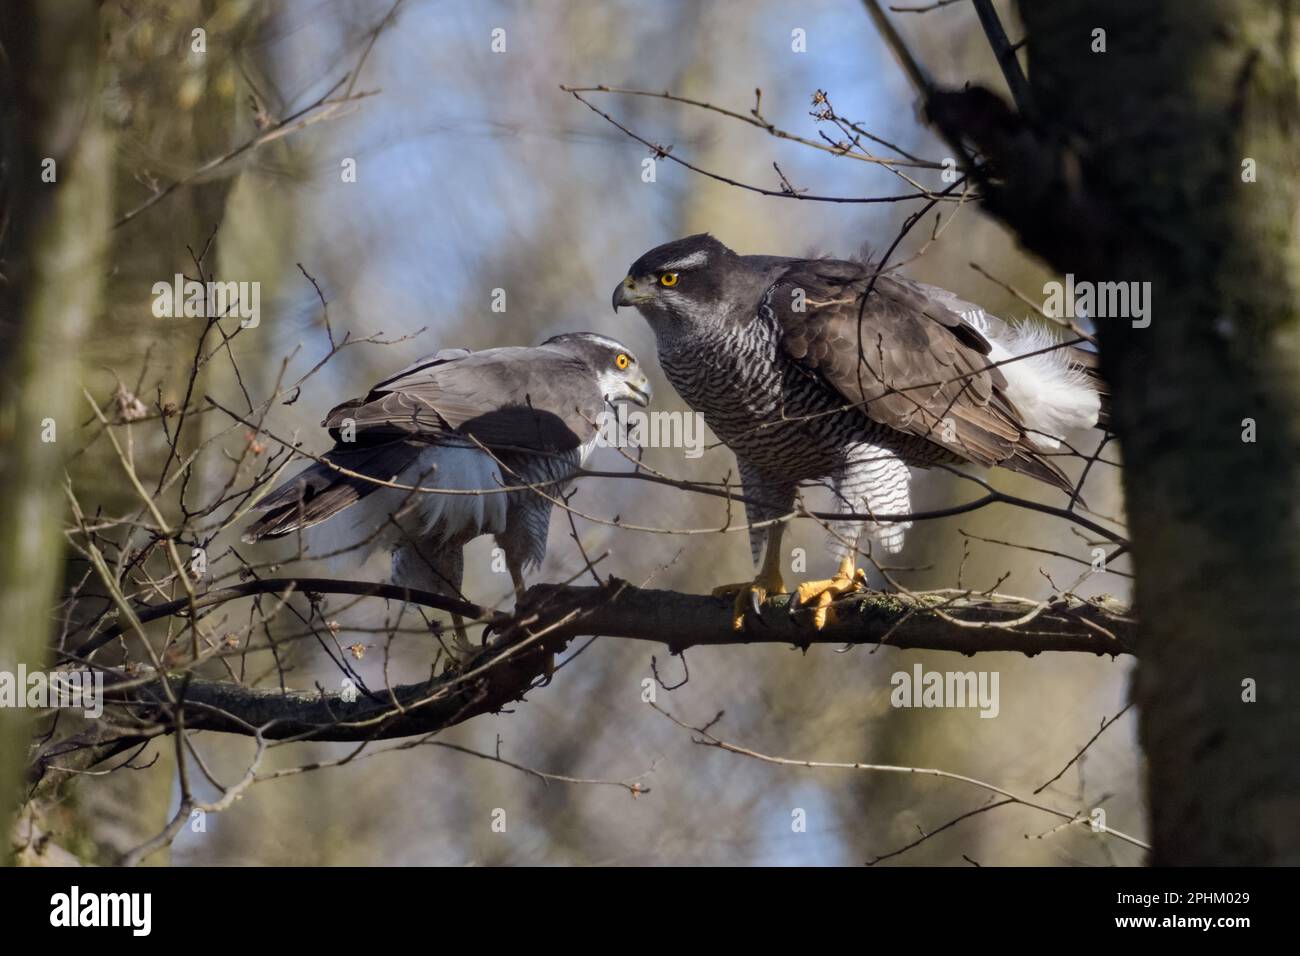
[(52, 247), (1134, 172), (549, 617)]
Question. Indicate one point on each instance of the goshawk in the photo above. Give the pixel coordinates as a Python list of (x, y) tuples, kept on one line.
[(459, 426), (820, 370)]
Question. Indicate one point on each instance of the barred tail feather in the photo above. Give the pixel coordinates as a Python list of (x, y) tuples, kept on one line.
[(322, 491), (1029, 462)]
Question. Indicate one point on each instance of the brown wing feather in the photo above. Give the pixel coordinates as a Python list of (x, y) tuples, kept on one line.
[(909, 363)]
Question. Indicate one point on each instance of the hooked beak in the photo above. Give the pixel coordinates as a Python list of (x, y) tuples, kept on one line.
[(627, 293), (641, 393)]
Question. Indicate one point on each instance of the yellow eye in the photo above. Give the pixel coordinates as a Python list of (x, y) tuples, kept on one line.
[(622, 361), (668, 279)]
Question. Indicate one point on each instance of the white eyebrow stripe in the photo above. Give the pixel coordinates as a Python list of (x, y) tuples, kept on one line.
[(694, 259)]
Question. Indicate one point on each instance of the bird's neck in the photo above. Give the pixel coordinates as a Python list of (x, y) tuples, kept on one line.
[(681, 341)]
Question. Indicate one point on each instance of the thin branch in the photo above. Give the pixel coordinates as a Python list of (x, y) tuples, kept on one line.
[(307, 116), (1084, 749), (664, 152), (707, 739), (282, 586), (915, 72), (756, 120), (1006, 56)]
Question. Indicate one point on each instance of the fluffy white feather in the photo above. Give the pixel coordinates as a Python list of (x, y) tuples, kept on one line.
[(455, 517), (1052, 394)]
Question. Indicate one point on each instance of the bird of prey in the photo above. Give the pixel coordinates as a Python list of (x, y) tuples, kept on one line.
[(459, 426), (822, 370)]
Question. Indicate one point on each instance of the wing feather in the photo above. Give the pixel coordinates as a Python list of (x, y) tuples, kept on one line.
[(905, 359), (532, 398)]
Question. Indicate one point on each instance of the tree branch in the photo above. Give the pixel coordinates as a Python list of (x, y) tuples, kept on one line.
[(550, 616), (285, 586), (1006, 56)]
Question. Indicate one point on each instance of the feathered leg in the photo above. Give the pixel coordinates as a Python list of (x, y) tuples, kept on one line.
[(518, 545), (769, 499), (873, 481), (441, 571)]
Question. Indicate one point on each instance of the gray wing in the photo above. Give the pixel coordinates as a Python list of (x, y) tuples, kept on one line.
[(531, 398), (534, 399)]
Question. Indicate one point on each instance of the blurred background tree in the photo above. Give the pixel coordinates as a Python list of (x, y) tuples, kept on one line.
[(475, 172)]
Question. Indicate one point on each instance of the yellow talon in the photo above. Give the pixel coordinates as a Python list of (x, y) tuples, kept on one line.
[(820, 594), (750, 595)]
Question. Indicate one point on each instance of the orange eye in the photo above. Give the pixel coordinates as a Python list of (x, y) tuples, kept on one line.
[(622, 361), (668, 279)]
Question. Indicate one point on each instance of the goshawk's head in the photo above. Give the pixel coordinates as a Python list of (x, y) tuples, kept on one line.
[(617, 371), (688, 281)]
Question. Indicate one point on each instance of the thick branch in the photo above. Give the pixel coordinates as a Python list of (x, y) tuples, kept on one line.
[(939, 622), (312, 715), (551, 616)]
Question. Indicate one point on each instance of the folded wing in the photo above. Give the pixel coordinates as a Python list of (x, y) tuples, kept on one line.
[(905, 359), (505, 399)]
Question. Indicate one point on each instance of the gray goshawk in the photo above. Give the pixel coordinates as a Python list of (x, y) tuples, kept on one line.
[(808, 378), (463, 425)]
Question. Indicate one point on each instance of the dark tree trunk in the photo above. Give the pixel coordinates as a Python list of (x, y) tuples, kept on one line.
[(1134, 172)]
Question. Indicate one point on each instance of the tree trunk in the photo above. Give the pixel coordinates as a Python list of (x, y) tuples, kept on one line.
[(1135, 173), (54, 237)]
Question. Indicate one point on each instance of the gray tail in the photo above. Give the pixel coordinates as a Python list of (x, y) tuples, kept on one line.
[(321, 491)]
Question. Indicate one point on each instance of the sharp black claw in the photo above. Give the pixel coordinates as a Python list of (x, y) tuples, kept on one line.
[(756, 602)]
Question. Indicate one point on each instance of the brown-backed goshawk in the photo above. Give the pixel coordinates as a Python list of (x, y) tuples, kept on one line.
[(822, 370)]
